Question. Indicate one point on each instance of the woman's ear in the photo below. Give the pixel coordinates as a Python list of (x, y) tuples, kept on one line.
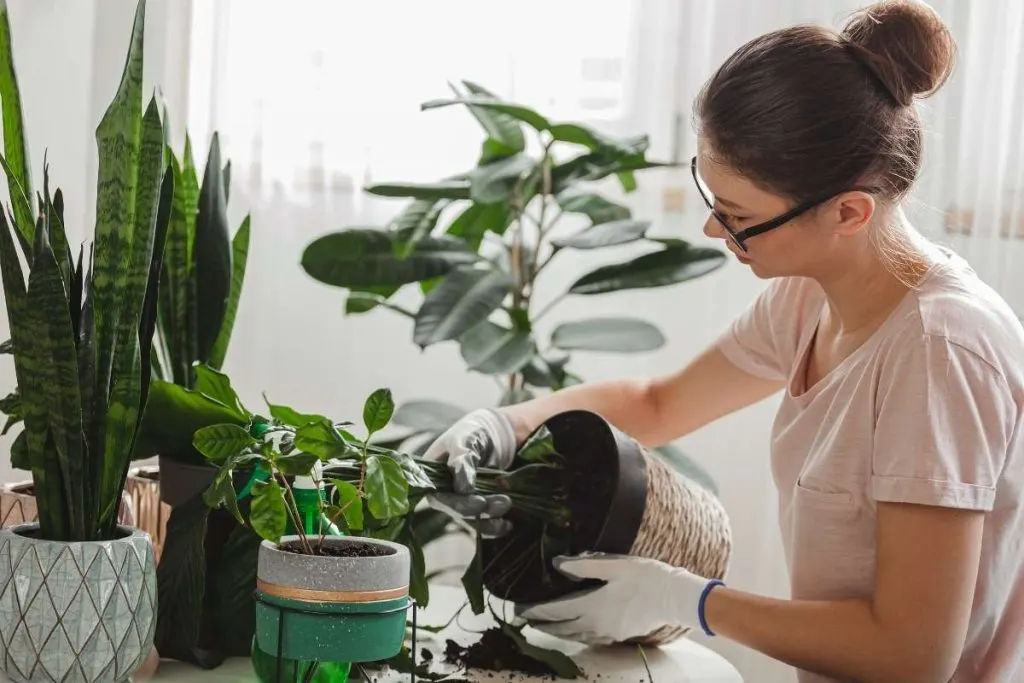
[(852, 211)]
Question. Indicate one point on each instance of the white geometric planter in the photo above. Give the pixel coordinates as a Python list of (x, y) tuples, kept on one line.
[(83, 612)]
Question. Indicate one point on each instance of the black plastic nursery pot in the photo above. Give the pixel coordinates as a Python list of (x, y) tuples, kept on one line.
[(333, 608), (622, 500)]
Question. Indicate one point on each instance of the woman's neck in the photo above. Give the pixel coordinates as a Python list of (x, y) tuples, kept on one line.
[(866, 289)]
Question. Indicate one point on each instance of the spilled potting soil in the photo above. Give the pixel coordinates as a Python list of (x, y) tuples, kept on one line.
[(495, 651)]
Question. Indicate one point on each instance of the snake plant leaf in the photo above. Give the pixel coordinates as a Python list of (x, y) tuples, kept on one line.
[(492, 349), (669, 266), (358, 258), (239, 258), (610, 334), (53, 207), (148, 321), (16, 154), (177, 295), (601, 235), (29, 372), (7, 347), (52, 334), (466, 297), (19, 453), (226, 173), (212, 254), (118, 139)]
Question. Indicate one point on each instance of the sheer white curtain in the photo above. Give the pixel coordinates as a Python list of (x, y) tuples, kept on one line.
[(315, 98)]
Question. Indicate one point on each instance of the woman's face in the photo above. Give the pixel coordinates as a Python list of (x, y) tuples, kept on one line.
[(808, 245)]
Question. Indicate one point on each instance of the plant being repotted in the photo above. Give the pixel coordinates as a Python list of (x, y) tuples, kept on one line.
[(577, 485), (479, 243), (78, 596)]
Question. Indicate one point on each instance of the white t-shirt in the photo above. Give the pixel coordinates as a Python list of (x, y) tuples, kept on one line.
[(927, 411)]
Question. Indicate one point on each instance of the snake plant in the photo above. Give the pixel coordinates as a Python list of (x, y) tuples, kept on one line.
[(82, 327)]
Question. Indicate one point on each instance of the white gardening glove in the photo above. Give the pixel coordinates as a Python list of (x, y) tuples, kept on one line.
[(640, 596), (482, 438)]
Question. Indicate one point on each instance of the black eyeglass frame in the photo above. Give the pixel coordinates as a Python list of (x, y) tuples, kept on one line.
[(739, 237)]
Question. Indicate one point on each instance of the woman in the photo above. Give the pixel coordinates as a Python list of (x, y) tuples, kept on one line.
[(897, 448)]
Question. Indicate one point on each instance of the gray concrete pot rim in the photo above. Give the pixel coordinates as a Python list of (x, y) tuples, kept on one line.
[(19, 530)]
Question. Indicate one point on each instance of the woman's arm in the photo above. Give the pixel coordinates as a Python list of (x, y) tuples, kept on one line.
[(911, 631), (654, 411)]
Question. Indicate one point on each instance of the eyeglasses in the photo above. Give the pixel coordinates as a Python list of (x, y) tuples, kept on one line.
[(739, 237)]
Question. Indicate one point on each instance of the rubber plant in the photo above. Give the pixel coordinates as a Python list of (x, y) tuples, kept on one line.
[(479, 242), (82, 328)]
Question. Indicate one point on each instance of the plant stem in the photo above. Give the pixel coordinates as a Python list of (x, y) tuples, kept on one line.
[(293, 509)]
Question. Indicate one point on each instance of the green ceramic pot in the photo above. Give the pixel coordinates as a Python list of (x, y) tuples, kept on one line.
[(75, 611), (334, 608)]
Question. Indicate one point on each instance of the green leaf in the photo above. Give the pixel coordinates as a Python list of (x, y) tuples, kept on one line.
[(539, 447), (515, 396), (686, 466), (239, 258), (268, 516), (173, 415), (296, 464), (19, 453), (473, 579), (217, 386), (594, 166), (387, 492), (608, 234), (491, 349), (477, 219), (220, 442), (627, 335), (500, 128), (560, 663), (212, 254), (669, 266), (350, 505), (453, 189), (466, 297), (378, 410), (419, 589), (358, 258), (539, 373), (7, 347), (516, 111), (596, 141), (16, 153), (417, 221), (320, 439), (428, 415), (232, 584), (362, 302), (291, 417), (593, 206), (222, 494), (495, 182)]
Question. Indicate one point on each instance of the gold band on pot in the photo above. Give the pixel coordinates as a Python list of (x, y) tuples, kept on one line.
[(308, 595)]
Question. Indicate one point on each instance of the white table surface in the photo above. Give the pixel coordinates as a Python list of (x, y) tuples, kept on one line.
[(683, 661)]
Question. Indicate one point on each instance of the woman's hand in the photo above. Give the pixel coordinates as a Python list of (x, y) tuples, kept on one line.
[(482, 438), (640, 596)]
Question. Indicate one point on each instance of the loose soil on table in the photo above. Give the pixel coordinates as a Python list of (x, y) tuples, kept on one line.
[(516, 567), (349, 549), (495, 651)]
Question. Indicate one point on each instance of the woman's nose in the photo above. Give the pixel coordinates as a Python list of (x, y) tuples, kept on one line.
[(713, 229)]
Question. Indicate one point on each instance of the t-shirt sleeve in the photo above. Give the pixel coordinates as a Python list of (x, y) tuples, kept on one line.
[(760, 340), (944, 420)]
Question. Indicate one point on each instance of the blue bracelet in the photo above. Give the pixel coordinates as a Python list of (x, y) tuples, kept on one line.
[(700, 604)]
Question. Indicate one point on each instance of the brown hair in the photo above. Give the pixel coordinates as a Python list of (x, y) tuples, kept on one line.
[(807, 111)]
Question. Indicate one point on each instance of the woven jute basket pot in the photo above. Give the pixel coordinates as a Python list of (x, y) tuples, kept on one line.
[(624, 500), (18, 506), (143, 490), (75, 611)]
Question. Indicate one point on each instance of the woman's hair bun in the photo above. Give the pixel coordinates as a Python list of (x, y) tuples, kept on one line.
[(906, 44)]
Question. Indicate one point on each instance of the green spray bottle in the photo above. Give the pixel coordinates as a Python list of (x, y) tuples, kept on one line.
[(309, 498)]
